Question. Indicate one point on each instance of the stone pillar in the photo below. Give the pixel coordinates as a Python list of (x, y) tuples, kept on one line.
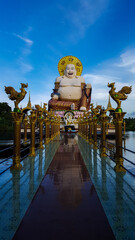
[(33, 119), (17, 118)]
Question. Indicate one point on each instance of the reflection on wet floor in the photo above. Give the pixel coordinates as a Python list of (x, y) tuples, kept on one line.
[(66, 204), (79, 192), (115, 190), (17, 188)]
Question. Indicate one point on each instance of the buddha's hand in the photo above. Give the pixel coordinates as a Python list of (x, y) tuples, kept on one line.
[(88, 85), (55, 96)]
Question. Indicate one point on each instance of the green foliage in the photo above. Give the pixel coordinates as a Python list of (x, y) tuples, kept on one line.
[(130, 124), (5, 117)]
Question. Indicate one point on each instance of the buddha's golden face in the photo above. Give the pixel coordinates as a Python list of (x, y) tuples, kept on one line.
[(70, 71)]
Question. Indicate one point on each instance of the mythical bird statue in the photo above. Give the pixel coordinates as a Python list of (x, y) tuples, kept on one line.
[(96, 109), (118, 96), (38, 108), (15, 96)]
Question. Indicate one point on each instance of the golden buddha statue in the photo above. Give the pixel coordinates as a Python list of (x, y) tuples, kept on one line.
[(70, 90)]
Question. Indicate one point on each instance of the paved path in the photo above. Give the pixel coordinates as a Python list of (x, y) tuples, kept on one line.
[(66, 205)]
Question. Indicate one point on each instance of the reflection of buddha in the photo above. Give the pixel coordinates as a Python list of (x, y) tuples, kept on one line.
[(70, 90)]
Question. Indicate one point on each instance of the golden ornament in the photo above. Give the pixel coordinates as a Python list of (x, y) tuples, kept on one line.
[(70, 60)]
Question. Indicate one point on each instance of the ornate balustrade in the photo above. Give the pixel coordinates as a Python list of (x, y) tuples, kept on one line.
[(41, 118), (87, 129)]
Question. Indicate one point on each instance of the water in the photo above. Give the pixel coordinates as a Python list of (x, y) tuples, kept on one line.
[(129, 144)]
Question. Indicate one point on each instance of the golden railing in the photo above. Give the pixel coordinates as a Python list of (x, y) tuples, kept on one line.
[(44, 120)]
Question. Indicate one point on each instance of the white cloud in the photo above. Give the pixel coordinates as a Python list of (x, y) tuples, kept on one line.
[(25, 67), (83, 15), (22, 61), (99, 79), (121, 71), (26, 40), (127, 60)]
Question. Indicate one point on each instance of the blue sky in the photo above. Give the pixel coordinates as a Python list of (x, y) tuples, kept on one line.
[(34, 35)]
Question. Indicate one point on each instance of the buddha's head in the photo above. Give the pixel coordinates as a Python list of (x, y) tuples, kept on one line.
[(70, 71)]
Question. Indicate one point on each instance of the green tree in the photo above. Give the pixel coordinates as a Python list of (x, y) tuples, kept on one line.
[(5, 117), (130, 124)]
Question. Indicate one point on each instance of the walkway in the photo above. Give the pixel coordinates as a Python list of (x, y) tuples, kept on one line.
[(66, 204)]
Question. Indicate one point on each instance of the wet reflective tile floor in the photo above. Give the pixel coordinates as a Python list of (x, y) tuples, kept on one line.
[(66, 204), (67, 192)]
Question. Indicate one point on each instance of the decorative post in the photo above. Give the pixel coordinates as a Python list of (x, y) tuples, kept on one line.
[(25, 122), (90, 129), (124, 123), (103, 119), (95, 132), (52, 125), (47, 126), (95, 112), (86, 128), (118, 118), (40, 119), (17, 118), (33, 119), (83, 125)]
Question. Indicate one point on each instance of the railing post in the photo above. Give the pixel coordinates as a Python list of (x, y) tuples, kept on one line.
[(103, 119), (33, 119), (118, 118), (47, 126), (52, 129), (25, 122), (86, 128), (83, 128), (95, 132), (17, 118), (40, 119), (90, 129)]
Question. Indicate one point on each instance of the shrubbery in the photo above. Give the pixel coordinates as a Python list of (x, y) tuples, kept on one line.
[(130, 124), (6, 124)]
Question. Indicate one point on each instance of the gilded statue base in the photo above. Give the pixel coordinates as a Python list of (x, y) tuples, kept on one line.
[(62, 105)]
